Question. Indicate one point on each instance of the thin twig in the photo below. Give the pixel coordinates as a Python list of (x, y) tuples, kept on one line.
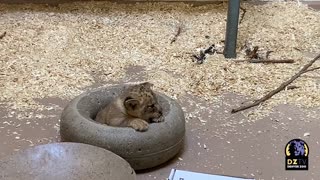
[(268, 54), (242, 15), (271, 61), (312, 69), (3, 35), (176, 35), (291, 87), (266, 61), (297, 49), (277, 90)]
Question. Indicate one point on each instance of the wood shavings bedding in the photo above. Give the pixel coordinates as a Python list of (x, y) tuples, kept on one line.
[(60, 51)]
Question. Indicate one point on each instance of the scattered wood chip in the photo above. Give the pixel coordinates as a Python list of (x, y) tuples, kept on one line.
[(3, 35), (69, 73), (107, 74), (292, 87)]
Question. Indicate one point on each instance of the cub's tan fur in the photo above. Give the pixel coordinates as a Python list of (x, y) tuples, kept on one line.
[(135, 107)]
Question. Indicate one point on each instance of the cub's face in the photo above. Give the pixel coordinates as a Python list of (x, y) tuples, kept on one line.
[(141, 102)]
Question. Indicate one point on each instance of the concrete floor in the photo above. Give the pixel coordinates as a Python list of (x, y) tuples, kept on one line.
[(222, 145)]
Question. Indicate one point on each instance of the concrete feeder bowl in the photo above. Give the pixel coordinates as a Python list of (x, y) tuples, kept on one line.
[(143, 150), (72, 161)]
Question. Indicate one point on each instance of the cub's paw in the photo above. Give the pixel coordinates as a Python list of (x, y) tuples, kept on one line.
[(159, 119), (139, 124)]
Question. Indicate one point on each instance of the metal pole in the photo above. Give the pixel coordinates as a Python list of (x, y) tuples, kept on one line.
[(232, 29)]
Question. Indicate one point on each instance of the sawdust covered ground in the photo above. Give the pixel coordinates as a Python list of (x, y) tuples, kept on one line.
[(61, 51)]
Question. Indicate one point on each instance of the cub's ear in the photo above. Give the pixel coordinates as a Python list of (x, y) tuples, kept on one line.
[(145, 85), (131, 104)]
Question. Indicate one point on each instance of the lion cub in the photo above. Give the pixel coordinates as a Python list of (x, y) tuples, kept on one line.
[(135, 107)]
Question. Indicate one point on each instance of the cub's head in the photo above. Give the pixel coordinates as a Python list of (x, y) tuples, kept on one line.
[(141, 102)]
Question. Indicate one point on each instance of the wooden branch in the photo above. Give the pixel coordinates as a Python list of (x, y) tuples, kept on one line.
[(312, 69), (266, 61), (3, 35), (277, 90), (176, 35), (271, 61)]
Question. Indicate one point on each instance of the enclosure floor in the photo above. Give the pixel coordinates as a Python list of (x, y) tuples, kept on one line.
[(217, 142)]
